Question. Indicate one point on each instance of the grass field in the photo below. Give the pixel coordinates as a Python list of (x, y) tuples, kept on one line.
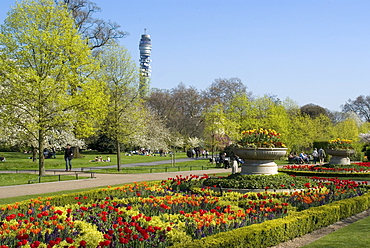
[(24, 178), (178, 166), (21, 161), (354, 235)]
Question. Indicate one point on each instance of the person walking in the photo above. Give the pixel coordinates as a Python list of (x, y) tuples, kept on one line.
[(315, 155), (321, 155), (68, 156)]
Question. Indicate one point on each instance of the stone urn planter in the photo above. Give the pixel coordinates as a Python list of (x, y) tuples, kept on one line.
[(259, 161), (340, 156)]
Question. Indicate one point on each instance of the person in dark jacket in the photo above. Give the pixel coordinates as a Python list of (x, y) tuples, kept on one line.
[(68, 156)]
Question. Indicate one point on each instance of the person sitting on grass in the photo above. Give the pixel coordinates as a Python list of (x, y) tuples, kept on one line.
[(2, 159)]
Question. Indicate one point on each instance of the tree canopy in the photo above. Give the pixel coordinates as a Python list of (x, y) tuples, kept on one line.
[(47, 72), (98, 32), (360, 106), (124, 109)]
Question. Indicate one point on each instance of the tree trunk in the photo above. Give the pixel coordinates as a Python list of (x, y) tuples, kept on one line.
[(118, 155), (212, 147), (34, 154), (76, 152), (41, 153)]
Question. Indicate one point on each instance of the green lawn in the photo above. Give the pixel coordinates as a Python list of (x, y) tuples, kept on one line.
[(178, 166), (354, 235), (7, 179), (23, 178), (11, 200), (20, 161)]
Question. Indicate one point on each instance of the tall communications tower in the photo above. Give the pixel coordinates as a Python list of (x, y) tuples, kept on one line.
[(145, 48)]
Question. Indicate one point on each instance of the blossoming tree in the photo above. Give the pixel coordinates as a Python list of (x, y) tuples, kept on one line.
[(47, 73)]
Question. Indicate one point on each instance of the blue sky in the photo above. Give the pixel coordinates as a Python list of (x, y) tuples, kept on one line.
[(308, 50)]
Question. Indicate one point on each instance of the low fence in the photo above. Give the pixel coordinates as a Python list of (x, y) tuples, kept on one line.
[(59, 176), (151, 170)]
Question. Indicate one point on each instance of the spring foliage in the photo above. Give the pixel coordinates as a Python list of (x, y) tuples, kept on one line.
[(47, 73)]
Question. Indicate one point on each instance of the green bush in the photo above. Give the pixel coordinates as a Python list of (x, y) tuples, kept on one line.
[(284, 229), (238, 181)]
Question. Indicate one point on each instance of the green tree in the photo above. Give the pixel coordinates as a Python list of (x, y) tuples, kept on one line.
[(217, 127), (272, 114), (313, 110), (322, 128), (262, 112), (125, 114), (299, 133), (347, 129), (47, 74), (304, 130), (364, 127), (242, 114)]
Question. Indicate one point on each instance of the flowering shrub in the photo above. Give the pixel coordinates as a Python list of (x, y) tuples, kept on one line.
[(153, 215), (339, 144), (266, 138)]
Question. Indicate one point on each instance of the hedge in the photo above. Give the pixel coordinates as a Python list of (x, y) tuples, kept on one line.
[(273, 232), (266, 234)]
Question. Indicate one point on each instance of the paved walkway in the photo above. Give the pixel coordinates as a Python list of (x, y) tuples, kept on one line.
[(100, 180)]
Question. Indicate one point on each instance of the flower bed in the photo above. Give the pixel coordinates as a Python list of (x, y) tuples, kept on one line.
[(266, 138), (358, 167), (340, 144), (153, 215)]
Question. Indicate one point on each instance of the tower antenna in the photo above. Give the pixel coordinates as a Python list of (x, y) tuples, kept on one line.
[(145, 47)]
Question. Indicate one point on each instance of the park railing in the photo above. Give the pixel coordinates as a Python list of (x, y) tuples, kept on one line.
[(59, 176), (151, 169)]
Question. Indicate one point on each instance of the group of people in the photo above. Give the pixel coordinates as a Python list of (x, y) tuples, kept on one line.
[(302, 158), (318, 155), (197, 153), (50, 153), (68, 156), (100, 159), (226, 161)]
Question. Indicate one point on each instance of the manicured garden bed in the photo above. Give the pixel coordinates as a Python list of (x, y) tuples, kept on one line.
[(163, 214), (358, 169)]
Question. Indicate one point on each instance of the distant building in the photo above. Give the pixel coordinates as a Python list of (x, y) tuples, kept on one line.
[(145, 48)]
